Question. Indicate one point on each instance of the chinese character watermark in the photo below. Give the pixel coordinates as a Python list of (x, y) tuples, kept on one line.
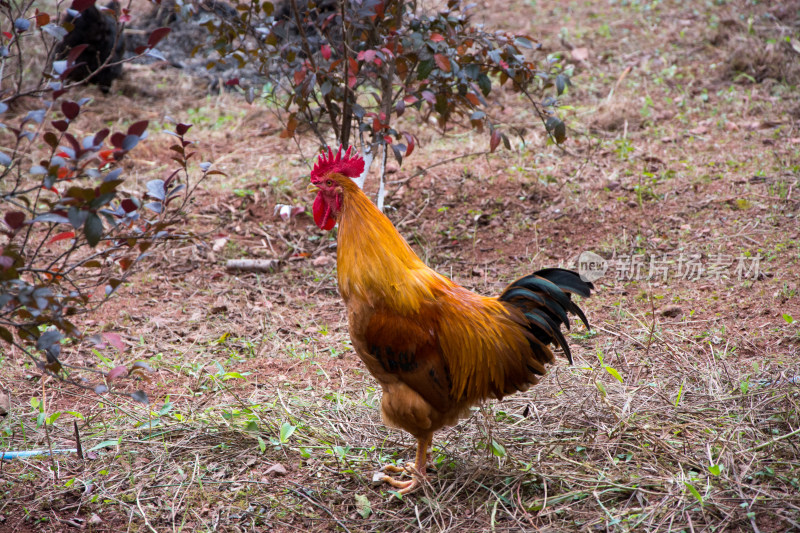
[(660, 268)]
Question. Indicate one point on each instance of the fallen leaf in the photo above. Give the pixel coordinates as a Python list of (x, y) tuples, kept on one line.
[(362, 506), (5, 403), (288, 212), (219, 244), (277, 470), (699, 130), (580, 54), (322, 260)]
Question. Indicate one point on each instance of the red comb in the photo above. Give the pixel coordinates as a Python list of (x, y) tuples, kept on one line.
[(351, 165)]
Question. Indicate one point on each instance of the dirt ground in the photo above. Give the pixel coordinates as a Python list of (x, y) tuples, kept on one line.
[(679, 414)]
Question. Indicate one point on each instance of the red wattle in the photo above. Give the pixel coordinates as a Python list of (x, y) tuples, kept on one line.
[(318, 209), (322, 214)]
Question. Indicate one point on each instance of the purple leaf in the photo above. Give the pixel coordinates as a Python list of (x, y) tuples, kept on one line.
[(70, 109), (138, 128), (15, 219)]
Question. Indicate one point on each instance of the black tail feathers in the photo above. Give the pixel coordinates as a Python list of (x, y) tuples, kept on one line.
[(545, 299)]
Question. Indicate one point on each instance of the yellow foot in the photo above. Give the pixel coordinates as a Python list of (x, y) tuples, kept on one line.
[(399, 469), (404, 487)]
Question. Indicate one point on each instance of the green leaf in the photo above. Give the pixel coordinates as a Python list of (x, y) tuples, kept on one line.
[(556, 127), (485, 84), (286, 431), (715, 469), (788, 318), (6, 335), (497, 449), (601, 388), (523, 42), (52, 418), (561, 84), (678, 397), (693, 491), (262, 445), (363, 506), (93, 229), (614, 373), (40, 419), (424, 69), (104, 444)]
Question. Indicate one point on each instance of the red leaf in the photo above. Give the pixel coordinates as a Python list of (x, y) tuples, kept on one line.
[(436, 37), (60, 125), (326, 52), (411, 99), (232, 82), (442, 61), (115, 340), (429, 97), (299, 76), (117, 372), (42, 19), (15, 219), (181, 129), (156, 36), (409, 142), (494, 141), (75, 52), (70, 109), (62, 236), (369, 56)]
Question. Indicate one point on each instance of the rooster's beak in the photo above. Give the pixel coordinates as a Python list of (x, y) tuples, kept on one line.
[(313, 189)]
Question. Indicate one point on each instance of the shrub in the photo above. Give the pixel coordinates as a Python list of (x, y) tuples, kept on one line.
[(348, 70), (71, 233)]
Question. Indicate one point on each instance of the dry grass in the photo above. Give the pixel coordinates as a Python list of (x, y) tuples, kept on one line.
[(697, 433)]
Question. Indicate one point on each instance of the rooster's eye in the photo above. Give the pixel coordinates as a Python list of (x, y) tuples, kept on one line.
[(328, 183)]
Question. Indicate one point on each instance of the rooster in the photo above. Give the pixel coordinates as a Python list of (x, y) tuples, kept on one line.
[(435, 347)]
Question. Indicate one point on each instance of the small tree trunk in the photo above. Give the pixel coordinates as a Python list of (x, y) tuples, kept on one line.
[(382, 187)]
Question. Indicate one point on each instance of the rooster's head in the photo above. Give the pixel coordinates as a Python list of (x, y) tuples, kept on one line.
[(328, 177)]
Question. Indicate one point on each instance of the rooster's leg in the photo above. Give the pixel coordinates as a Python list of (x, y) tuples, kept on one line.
[(417, 468)]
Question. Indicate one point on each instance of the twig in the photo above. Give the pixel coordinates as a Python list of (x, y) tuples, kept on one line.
[(425, 170), (773, 441)]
